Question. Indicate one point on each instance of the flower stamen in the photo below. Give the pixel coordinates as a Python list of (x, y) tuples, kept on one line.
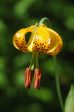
[(37, 78), (28, 77)]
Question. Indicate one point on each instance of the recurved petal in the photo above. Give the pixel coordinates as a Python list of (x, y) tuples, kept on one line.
[(19, 40), (56, 43)]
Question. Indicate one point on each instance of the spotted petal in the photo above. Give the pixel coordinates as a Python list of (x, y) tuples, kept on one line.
[(40, 41), (19, 40), (46, 41)]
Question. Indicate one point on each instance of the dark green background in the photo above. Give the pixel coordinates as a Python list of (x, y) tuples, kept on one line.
[(14, 15)]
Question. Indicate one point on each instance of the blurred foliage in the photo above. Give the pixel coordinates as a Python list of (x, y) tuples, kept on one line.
[(69, 105), (14, 15)]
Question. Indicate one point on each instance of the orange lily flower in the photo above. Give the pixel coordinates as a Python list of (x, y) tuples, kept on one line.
[(42, 40)]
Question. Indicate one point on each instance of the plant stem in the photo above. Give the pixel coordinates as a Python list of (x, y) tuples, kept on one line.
[(37, 60), (43, 20), (32, 61), (58, 83)]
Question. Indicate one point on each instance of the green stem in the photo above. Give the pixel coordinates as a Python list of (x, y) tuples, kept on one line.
[(37, 65), (32, 61), (58, 84), (43, 20)]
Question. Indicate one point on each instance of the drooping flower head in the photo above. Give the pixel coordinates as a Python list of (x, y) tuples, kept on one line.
[(42, 40)]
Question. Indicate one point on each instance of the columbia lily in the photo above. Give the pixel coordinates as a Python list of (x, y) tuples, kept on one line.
[(42, 40)]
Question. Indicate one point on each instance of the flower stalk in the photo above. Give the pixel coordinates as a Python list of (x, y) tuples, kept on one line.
[(57, 81), (32, 61), (37, 64)]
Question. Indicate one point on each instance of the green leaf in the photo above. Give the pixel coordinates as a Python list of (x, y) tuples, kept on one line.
[(69, 104)]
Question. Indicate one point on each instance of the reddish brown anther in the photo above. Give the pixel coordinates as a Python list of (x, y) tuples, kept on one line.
[(27, 77), (37, 78)]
